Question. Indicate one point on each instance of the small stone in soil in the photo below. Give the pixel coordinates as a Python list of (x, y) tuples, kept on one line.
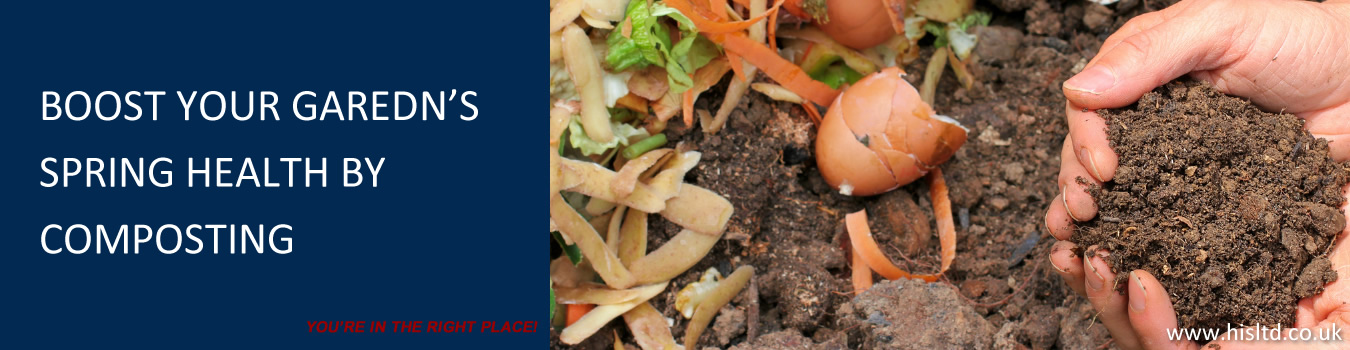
[(1097, 16), (922, 316), (999, 203), (730, 323), (998, 43), (1014, 172)]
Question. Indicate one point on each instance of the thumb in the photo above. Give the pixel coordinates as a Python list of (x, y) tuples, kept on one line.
[(1152, 314), (1145, 59)]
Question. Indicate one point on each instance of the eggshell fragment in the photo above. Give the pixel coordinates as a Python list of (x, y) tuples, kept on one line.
[(858, 24), (845, 162), (879, 135)]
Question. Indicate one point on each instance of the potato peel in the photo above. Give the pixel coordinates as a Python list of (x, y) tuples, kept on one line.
[(584, 68), (962, 71), (563, 273), (688, 298), (613, 232), (554, 47), (563, 12), (633, 237), (601, 315), (666, 107), (727, 289), (599, 206), (593, 180), (777, 92), (605, 263), (607, 10), (554, 180), (600, 223), (649, 328), (591, 293), (656, 168), (627, 177), (693, 207), (928, 89), (673, 258), (649, 83), (667, 183), (558, 119), (699, 210)]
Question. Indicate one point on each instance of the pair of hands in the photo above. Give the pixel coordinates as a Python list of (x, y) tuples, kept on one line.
[(1282, 55)]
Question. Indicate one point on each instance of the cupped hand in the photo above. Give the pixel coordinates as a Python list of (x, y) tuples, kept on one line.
[(1286, 56), (1142, 317)]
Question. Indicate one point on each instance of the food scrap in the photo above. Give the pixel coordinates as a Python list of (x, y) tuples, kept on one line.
[(620, 71)]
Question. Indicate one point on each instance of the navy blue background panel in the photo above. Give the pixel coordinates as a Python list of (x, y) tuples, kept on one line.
[(442, 238)]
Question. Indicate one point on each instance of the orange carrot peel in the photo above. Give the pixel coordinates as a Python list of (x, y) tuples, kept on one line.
[(735, 63), (865, 248), (895, 9), (862, 275), (732, 37), (713, 21), (942, 210), (773, 27), (781, 70), (704, 79), (575, 311), (812, 112)]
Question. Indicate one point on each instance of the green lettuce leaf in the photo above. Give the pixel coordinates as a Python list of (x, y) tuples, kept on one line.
[(957, 33), (975, 18), (836, 75), (622, 132), (649, 44), (573, 252), (939, 32)]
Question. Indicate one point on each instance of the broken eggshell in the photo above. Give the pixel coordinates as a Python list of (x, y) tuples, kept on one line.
[(858, 24), (879, 135)]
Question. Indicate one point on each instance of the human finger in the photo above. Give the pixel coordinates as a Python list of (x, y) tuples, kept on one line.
[(1068, 264), (1110, 305), (1151, 313), (1087, 131), (1057, 219), (1074, 196), (1145, 60)]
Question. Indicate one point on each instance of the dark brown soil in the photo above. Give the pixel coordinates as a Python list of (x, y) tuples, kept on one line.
[(1232, 208)]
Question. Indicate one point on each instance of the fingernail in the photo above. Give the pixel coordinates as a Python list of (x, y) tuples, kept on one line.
[(1137, 297), (1095, 283), (1095, 80), (1092, 162), (1064, 197), (1052, 263), (1046, 222)]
